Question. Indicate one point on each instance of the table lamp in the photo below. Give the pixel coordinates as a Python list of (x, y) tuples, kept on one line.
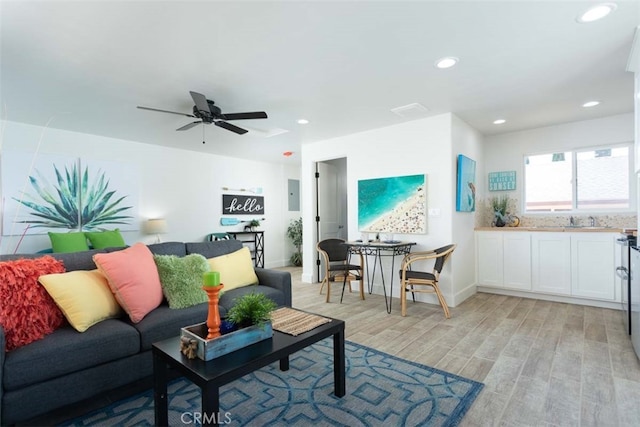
[(156, 226)]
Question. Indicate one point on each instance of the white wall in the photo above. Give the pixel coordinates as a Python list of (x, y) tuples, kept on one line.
[(467, 141), (184, 187), (506, 151), (416, 147)]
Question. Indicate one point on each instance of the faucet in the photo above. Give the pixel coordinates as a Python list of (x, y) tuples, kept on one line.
[(592, 221), (572, 221)]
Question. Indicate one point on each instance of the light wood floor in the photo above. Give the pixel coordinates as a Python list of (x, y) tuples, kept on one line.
[(542, 363)]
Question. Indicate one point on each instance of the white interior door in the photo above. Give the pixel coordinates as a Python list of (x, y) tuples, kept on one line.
[(328, 199), (331, 202)]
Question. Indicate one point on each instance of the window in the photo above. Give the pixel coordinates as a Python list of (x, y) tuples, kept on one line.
[(590, 179)]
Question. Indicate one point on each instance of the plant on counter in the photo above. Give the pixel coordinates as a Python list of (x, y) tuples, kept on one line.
[(294, 232), (499, 205), (251, 309)]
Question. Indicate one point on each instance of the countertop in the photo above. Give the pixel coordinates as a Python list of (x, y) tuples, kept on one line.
[(560, 229)]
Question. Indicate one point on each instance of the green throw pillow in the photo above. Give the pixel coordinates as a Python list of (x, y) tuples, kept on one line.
[(105, 239), (181, 279), (68, 242)]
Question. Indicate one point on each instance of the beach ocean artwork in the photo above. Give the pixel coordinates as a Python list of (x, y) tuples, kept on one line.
[(393, 205), (466, 185)]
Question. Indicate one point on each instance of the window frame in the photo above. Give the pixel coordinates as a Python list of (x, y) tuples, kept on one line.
[(633, 180)]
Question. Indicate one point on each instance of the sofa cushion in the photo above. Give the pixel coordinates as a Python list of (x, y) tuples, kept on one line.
[(227, 299), (105, 239), (181, 279), (133, 279), (236, 269), (79, 260), (165, 322), (83, 296), (168, 248), (27, 312), (66, 350), (213, 249), (68, 242)]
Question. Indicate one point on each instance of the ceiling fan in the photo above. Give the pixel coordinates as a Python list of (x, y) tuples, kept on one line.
[(205, 110)]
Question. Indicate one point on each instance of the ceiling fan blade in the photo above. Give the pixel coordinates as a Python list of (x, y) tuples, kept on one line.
[(244, 116), (165, 111), (201, 102), (190, 125), (232, 128)]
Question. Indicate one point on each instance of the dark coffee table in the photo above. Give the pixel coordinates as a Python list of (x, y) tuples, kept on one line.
[(210, 375)]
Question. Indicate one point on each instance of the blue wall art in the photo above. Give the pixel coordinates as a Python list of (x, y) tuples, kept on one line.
[(466, 185)]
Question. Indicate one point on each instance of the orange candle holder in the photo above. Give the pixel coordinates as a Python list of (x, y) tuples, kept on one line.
[(213, 317)]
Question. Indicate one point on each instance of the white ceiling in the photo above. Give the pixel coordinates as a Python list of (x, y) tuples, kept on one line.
[(85, 66)]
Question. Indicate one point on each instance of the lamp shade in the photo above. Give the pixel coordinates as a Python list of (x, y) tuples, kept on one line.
[(156, 226)]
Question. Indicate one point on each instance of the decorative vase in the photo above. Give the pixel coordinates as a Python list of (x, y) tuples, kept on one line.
[(213, 317), (499, 220)]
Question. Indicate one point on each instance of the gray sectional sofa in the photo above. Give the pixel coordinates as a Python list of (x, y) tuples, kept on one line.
[(67, 367)]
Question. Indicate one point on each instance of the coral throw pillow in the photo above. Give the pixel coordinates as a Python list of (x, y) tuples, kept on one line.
[(27, 312), (133, 279)]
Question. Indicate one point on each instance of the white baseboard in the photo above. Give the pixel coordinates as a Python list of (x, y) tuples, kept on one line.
[(461, 296), (547, 297)]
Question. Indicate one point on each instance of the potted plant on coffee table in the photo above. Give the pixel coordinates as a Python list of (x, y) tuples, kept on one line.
[(252, 309), (251, 313)]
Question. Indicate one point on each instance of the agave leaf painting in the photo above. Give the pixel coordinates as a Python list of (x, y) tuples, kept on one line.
[(65, 195)]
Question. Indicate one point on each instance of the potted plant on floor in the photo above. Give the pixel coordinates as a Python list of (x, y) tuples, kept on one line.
[(294, 232)]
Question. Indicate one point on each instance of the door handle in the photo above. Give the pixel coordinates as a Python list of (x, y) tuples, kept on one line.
[(622, 272)]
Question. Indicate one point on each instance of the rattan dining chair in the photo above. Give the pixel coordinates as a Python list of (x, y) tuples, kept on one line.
[(422, 281), (338, 267)]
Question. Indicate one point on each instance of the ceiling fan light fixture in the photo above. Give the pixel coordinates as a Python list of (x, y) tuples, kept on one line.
[(596, 12), (591, 104), (446, 62)]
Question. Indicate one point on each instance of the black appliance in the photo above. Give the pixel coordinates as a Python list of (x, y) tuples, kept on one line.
[(626, 241)]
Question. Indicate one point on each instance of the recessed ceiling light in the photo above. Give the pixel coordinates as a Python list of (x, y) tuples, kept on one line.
[(591, 104), (447, 62), (303, 121), (499, 121), (596, 12)]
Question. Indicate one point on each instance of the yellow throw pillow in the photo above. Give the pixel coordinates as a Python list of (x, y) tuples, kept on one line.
[(83, 296), (236, 269)]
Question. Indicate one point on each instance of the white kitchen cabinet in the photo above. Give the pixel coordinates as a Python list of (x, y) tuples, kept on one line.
[(551, 263), (504, 259), (489, 258), (593, 265)]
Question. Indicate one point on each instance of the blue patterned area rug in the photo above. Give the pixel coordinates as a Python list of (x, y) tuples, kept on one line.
[(382, 390)]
